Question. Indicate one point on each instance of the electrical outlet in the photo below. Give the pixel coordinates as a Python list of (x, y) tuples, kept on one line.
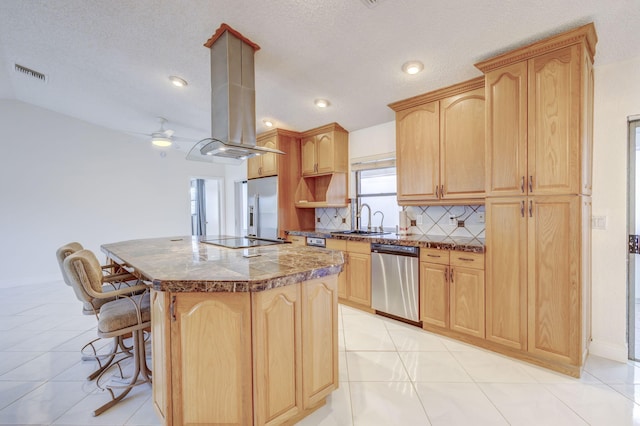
[(344, 220), (419, 219), (480, 217), (461, 224), (318, 220), (453, 221)]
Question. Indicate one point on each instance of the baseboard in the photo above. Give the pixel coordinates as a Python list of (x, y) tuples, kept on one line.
[(609, 350), (19, 282)]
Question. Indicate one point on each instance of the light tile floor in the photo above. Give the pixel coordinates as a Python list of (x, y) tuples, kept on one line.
[(390, 374)]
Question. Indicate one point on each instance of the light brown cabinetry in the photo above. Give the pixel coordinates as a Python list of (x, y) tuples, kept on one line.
[(539, 160), (354, 283), (506, 271), (539, 117), (277, 393), (287, 169), (536, 278), (320, 340), (452, 291), (334, 244), (297, 240), (266, 164), (325, 156), (268, 357), (440, 145), (325, 150)]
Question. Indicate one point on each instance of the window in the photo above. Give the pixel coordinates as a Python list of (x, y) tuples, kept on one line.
[(377, 188)]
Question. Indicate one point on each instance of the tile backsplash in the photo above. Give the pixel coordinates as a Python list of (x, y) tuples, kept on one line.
[(431, 220)]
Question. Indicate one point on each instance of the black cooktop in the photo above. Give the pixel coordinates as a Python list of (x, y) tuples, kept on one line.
[(240, 242)]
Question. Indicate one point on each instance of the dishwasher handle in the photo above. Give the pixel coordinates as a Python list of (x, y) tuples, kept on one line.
[(395, 250)]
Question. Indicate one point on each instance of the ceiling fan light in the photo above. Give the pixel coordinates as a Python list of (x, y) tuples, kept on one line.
[(412, 67), (161, 142), (177, 81)]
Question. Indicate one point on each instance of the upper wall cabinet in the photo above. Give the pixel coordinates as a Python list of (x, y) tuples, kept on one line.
[(540, 117), (324, 163), (266, 164), (440, 145), (325, 150)]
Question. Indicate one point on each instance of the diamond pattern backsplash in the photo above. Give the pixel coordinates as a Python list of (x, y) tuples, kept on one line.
[(435, 220)]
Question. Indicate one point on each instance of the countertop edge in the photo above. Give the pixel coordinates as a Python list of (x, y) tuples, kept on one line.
[(415, 240)]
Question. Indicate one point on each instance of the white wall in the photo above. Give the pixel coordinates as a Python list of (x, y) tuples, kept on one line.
[(617, 96), (62, 180)]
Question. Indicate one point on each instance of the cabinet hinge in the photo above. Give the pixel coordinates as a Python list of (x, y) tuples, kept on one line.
[(634, 244)]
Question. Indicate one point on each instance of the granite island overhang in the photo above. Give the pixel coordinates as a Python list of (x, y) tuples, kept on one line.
[(238, 339)]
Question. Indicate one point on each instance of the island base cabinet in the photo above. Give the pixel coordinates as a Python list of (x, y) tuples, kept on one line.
[(277, 349), (262, 358), (320, 340), (211, 359)]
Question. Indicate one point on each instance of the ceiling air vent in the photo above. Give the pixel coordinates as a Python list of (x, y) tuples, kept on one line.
[(372, 3), (31, 73)]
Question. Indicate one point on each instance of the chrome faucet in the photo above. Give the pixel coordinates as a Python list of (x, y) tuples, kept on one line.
[(360, 216), (381, 219)]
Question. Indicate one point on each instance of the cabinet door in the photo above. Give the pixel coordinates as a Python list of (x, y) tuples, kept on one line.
[(554, 122), (555, 278), (309, 156), (320, 344), (434, 294), (506, 271), (359, 283), (277, 349), (160, 329), (333, 244), (209, 385), (506, 130), (467, 301), (253, 167), (462, 145), (417, 152), (268, 161), (325, 153)]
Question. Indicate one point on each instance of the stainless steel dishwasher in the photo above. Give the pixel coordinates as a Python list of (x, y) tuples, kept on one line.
[(394, 280)]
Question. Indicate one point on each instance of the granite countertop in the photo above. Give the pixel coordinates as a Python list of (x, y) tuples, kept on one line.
[(184, 264), (475, 245)]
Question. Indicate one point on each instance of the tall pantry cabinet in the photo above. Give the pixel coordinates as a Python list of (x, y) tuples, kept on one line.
[(539, 104)]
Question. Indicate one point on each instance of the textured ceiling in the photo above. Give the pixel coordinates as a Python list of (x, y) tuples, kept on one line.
[(108, 61)]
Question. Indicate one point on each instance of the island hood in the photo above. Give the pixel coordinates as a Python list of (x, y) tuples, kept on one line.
[(233, 99)]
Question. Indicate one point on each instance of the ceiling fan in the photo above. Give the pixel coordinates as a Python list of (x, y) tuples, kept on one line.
[(161, 137)]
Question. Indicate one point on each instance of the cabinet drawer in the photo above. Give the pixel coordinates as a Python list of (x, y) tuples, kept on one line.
[(297, 240), (358, 247), (431, 255), (335, 244), (467, 259)]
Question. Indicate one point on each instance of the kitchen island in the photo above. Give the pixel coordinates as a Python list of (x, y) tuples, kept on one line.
[(239, 336)]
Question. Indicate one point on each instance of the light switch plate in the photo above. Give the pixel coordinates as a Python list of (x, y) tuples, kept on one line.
[(419, 219), (598, 222), (480, 217)]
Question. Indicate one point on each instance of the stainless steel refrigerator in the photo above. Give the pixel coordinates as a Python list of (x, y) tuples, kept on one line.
[(262, 207)]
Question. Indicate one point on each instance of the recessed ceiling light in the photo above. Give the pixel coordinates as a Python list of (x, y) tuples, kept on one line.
[(177, 81), (268, 123), (412, 67), (321, 103)]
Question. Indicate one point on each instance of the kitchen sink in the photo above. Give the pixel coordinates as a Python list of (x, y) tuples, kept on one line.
[(359, 232)]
